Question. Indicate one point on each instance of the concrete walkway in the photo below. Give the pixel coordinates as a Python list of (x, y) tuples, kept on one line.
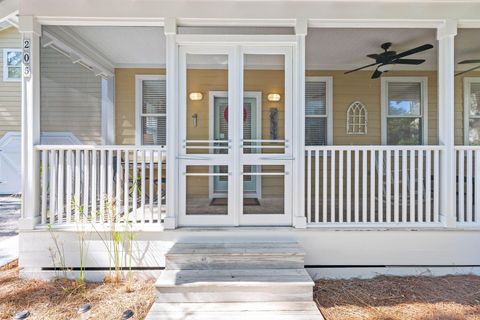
[(9, 215)]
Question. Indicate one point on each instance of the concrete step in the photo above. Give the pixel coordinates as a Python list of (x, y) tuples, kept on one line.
[(259, 285), (240, 255), (236, 311)]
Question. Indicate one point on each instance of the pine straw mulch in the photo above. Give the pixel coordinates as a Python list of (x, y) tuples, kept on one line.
[(61, 299), (392, 298)]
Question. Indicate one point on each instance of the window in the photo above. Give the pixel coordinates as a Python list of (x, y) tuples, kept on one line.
[(318, 111), (151, 120), (404, 109), (12, 64), (472, 110)]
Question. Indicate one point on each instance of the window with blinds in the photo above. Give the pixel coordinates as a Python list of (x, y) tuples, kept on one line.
[(473, 112), (404, 112), (154, 112), (316, 112)]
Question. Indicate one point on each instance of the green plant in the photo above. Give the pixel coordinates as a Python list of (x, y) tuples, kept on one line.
[(57, 256)]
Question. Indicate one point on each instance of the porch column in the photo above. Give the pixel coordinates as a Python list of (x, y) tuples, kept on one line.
[(446, 119), (31, 31), (299, 219), (170, 29)]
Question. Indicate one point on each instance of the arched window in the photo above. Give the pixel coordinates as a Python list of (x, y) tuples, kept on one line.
[(357, 118)]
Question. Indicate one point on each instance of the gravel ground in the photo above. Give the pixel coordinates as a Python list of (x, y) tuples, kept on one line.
[(9, 215)]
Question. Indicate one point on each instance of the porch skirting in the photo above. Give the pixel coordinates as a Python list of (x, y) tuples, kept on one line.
[(329, 253)]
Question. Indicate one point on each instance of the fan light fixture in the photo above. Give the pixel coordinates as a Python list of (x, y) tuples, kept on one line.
[(195, 96), (274, 97)]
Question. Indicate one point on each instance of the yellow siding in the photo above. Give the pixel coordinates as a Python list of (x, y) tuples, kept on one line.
[(10, 92)]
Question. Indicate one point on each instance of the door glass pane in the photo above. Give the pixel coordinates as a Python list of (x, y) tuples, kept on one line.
[(207, 117), (268, 193), (265, 74), (200, 184)]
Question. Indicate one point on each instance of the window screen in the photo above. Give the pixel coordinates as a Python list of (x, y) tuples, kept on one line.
[(315, 113), (154, 112)]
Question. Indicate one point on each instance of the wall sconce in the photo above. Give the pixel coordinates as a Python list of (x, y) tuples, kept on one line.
[(194, 120), (274, 97), (195, 96)]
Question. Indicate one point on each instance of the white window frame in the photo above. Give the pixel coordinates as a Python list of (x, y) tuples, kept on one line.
[(6, 66), (139, 104), (423, 105), (329, 106), (467, 83)]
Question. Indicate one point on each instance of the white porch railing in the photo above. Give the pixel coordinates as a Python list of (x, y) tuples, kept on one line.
[(373, 185), (102, 184), (468, 185)]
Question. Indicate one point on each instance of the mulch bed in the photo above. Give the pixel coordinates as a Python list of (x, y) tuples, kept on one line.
[(389, 298), (382, 298), (61, 299)]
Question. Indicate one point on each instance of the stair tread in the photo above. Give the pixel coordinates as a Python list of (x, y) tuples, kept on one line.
[(237, 248), (236, 310), (234, 278)]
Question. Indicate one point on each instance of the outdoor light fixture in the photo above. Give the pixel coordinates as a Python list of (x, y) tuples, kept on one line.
[(84, 311), (274, 97), (195, 96), (22, 315), (127, 314)]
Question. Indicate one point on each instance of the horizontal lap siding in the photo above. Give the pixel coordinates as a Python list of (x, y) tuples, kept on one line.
[(10, 92), (70, 98)]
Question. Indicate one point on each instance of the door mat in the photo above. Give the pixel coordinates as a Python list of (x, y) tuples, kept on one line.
[(224, 202)]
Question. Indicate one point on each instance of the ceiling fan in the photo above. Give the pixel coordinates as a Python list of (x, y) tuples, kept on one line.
[(391, 57), (469, 62)]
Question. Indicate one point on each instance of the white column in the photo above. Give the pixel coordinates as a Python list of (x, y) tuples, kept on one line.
[(31, 32), (446, 119), (108, 110), (170, 30), (299, 220)]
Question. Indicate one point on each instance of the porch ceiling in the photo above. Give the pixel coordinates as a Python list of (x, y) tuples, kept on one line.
[(327, 48)]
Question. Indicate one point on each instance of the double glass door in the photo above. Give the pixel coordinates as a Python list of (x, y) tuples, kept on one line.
[(235, 119)]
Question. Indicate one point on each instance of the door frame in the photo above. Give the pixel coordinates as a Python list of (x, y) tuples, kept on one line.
[(237, 46), (257, 95)]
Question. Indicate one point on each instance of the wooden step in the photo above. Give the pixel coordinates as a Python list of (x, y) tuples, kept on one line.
[(235, 311), (258, 285), (235, 255)]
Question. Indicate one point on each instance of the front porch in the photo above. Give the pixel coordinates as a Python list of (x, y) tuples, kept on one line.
[(253, 132)]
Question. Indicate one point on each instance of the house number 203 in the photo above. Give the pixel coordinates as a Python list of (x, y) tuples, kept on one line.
[(26, 58)]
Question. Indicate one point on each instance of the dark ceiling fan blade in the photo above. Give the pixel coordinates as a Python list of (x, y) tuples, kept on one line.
[(376, 74), (409, 61), (368, 65), (471, 69), (413, 51), (469, 61), (373, 56)]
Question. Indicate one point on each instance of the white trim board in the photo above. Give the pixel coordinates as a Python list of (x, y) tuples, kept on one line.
[(424, 104)]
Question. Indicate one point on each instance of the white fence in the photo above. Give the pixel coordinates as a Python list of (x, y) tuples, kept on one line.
[(468, 185), (102, 184), (373, 185)]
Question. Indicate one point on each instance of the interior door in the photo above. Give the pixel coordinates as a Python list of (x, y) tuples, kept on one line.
[(252, 102)]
